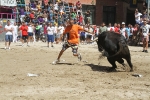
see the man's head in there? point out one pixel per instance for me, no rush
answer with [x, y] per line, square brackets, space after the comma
[8, 22]
[144, 21]
[23, 23]
[71, 21]
[15, 23]
[123, 24]
[103, 24]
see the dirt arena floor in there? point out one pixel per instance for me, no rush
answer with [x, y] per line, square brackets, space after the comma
[70, 80]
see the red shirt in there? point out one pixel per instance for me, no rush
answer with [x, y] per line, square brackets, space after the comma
[24, 30]
[116, 30]
[31, 15]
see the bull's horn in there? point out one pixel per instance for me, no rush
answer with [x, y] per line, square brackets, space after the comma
[95, 39]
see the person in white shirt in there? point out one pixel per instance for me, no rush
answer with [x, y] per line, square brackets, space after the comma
[30, 32]
[50, 35]
[8, 35]
[56, 35]
[144, 29]
[60, 31]
[123, 30]
[15, 32]
[56, 6]
[109, 28]
[137, 16]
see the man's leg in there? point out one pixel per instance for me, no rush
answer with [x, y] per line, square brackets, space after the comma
[65, 46]
[75, 52]
[60, 54]
[146, 44]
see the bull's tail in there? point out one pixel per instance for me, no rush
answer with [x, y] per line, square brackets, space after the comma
[120, 49]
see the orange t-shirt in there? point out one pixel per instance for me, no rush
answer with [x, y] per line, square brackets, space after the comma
[73, 33]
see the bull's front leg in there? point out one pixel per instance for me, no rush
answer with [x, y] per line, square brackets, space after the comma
[112, 62]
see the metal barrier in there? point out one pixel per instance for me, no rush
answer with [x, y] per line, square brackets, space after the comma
[7, 14]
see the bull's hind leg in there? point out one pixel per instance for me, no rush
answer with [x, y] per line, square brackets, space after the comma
[112, 62]
[121, 61]
[130, 64]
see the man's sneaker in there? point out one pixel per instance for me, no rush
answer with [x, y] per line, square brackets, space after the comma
[79, 57]
[143, 51]
[5, 48]
[146, 51]
[9, 48]
[56, 62]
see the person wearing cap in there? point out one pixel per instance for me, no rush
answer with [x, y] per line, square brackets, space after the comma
[123, 30]
[71, 40]
[144, 29]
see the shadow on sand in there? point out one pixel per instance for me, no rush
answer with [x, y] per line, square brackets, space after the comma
[102, 68]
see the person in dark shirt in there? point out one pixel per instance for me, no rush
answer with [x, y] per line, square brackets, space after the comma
[27, 18]
[88, 19]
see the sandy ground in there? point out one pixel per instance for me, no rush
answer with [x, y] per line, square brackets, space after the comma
[70, 80]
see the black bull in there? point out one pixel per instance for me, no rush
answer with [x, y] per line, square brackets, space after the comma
[115, 47]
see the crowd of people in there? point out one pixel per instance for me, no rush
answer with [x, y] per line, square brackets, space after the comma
[52, 23]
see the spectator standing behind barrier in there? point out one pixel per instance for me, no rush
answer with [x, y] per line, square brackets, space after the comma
[56, 36]
[109, 28]
[15, 32]
[27, 19]
[135, 31]
[50, 35]
[24, 29]
[123, 30]
[87, 15]
[45, 16]
[80, 19]
[78, 5]
[128, 30]
[45, 31]
[8, 35]
[102, 28]
[37, 32]
[115, 28]
[32, 16]
[73, 15]
[137, 16]
[22, 14]
[60, 32]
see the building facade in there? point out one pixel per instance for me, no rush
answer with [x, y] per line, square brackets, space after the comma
[111, 11]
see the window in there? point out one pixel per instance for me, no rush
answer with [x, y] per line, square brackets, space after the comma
[109, 14]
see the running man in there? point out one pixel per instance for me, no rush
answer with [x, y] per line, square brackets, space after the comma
[9, 35]
[72, 40]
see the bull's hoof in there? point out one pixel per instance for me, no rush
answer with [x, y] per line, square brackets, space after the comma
[131, 70]
[112, 69]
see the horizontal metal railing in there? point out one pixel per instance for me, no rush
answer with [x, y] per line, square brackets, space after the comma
[7, 14]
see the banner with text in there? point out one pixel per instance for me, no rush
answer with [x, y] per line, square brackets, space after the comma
[8, 3]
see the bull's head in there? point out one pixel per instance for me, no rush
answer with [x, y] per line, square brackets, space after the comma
[100, 48]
